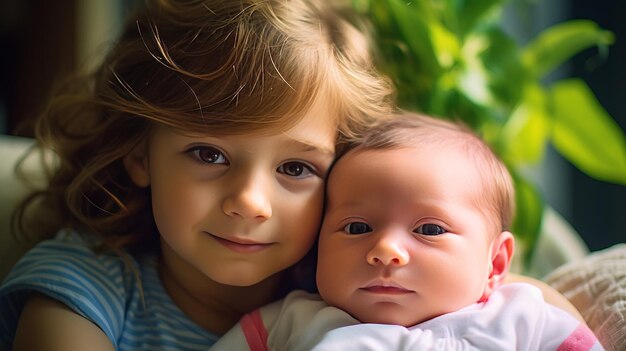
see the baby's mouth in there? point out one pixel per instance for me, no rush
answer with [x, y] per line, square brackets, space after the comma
[386, 288]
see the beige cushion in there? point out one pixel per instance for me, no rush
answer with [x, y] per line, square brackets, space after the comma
[596, 285]
[12, 190]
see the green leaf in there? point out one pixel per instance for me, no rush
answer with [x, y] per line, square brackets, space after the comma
[454, 104]
[446, 45]
[529, 213]
[585, 134]
[404, 47]
[501, 59]
[560, 42]
[523, 137]
[414, 31]
[474, 13]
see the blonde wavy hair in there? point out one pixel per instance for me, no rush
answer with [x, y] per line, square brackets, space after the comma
[215, 66]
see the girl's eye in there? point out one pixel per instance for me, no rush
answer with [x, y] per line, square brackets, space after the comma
[357, 228]
[429, 229]
[207, 154]
[296, 169]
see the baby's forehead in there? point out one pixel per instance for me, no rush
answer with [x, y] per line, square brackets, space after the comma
[444, 144]
[448, 162]
[452, 163]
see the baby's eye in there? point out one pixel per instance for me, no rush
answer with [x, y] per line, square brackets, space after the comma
[295, 169]
[429, 229]
[357, 228]
[208, 154]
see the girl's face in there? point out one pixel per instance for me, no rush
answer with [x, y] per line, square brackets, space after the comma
[237, 209]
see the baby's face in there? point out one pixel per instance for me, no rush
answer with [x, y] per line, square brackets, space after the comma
[403, 239]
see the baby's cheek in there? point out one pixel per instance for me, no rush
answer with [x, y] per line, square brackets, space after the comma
[330, 271]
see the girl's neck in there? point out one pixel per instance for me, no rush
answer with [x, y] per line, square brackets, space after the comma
[214, 306]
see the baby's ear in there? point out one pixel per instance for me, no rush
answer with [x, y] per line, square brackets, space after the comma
[136, 164]
[502, 249]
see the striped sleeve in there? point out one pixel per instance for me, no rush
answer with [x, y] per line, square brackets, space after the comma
[67, 270]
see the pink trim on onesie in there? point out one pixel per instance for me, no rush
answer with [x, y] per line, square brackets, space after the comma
[581, 339]
[254, 331]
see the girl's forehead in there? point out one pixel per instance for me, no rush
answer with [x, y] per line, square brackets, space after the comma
[311, 132]
[317, 128]
[320, 113]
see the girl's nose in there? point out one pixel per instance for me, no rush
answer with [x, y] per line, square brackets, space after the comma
[249, 199]
[388, 250]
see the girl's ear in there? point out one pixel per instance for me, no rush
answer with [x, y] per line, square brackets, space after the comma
[502, 249]
[136, 164]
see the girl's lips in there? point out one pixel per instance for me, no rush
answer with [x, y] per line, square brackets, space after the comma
[241, 245]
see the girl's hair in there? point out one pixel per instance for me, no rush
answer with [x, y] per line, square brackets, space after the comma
[216, 67]
[496, 193]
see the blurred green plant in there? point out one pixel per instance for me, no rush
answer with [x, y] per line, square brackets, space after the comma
[453, 59]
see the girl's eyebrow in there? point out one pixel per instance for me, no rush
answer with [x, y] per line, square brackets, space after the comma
[308, 146]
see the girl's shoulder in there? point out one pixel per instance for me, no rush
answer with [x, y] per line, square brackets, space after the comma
[73, 262]
[69, 269]
[122, 295]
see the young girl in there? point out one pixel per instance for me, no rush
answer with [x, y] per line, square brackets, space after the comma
[190, 174]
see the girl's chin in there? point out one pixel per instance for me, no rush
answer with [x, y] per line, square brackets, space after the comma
[244, 279]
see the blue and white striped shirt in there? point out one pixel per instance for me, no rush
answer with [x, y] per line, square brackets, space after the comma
[104, 289]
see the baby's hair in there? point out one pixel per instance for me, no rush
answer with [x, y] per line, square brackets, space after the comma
[496, 194]
[216, 67]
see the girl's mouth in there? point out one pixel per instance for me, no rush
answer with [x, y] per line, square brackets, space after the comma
[241, 245]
